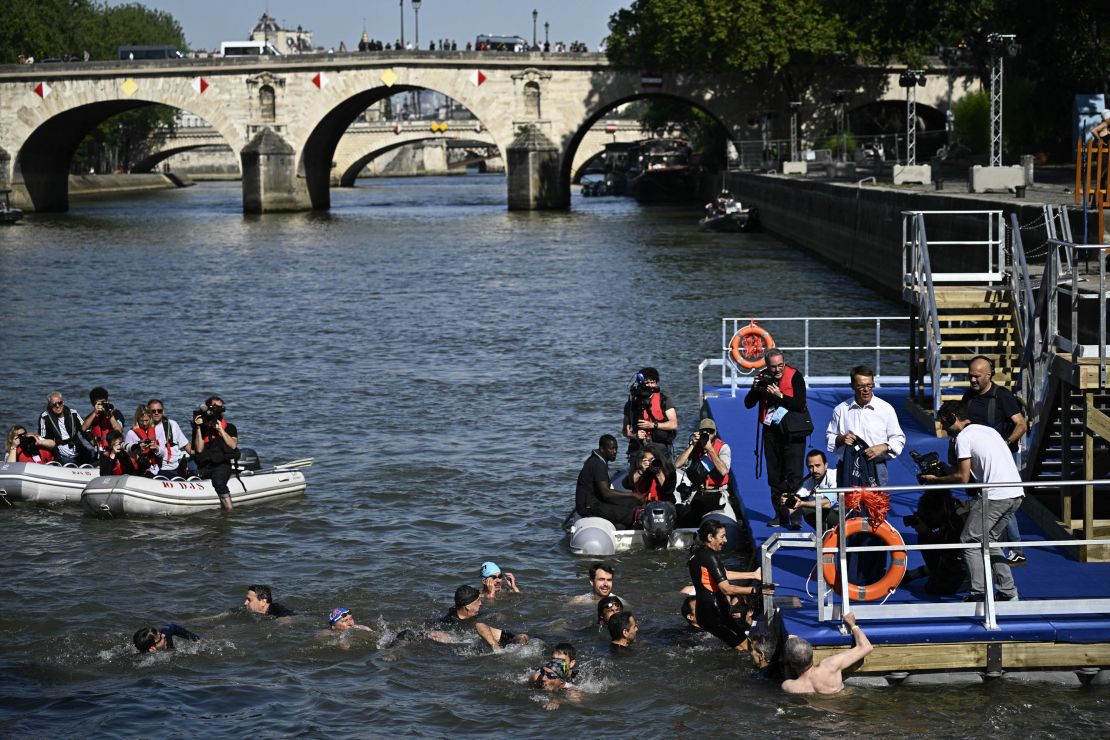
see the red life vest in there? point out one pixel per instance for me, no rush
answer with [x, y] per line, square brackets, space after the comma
[655, 411]
[117, 469]
[42, 457]
[100, 433]
[715, 479]
[209, 437]
[648, 486]
[786, 385]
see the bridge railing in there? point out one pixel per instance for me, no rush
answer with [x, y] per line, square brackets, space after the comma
[830, 609]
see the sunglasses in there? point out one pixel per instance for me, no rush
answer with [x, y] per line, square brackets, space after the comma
[156, 411]
[57, 403]
[550, 675]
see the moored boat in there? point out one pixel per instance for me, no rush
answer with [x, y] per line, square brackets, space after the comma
[740, 220]
[39, 483]
[8, 213]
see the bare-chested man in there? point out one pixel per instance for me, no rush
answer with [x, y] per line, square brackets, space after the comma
[826, 677]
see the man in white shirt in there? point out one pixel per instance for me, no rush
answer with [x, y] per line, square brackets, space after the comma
[982, 454]
[866, 419]
[175, 444]
[812, 494]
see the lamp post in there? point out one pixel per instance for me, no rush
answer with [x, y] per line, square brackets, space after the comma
[535, 16]
[794, 105]
[416, 14]
[911, 79]
[840, 99]
[402, 3]
[1002, 45]
[546, 39]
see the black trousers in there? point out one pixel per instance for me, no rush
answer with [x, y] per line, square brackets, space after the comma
[621, 515]
[219, 475]
[785, 457]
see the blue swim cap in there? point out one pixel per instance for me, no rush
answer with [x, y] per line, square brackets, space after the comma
[337, 614]
[489, 568]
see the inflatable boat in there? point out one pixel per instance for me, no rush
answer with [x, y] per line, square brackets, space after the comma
[139, 496]
[44, 484]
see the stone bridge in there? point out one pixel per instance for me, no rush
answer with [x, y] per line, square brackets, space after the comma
[285, 116]
[365, 141]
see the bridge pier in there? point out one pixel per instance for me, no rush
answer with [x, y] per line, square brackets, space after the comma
[270, 182]
[533, 168]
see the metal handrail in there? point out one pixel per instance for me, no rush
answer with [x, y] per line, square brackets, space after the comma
[994, 243]
[990, 607]
[734, 378]
[920, 280]
[1070, 253]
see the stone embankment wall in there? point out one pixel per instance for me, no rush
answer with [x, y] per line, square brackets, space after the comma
[859, 229]
[96, 184]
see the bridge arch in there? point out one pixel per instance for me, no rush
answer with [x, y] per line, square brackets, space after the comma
[53, 131]
[323, 135]
[348, 171]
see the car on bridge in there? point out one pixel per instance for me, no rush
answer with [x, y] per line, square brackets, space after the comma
[163, 51]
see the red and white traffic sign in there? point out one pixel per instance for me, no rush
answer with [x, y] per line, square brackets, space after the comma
[200, 85]
[320, 80]
[43, 90]
[477, 77]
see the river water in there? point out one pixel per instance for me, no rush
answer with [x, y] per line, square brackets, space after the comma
[449, 365]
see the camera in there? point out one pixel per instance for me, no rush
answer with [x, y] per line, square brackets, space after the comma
[27, 444]
[763, 380]
[656, 464]
[912, 520]
[107, 407]
[642, 391]
[928, 464]
[790, 500]
[208, 416]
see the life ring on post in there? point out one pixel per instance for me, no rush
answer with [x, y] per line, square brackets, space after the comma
[747, 346]
[881, 588]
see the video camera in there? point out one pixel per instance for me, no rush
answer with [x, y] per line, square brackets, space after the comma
[928, 464]
[28, 445]
[209, 416]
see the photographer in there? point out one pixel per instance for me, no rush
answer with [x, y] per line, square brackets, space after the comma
[116, 460]
[981, 452]
[652, 477]
[809, 495]
[216, 442]
[706, 461]
[142, 441]
[103, 419]
[939, 519]
[23, 447]
[649, 415]
[780, 392]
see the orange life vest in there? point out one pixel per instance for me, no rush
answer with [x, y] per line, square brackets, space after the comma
[786, 385]
[41, 456]
[715, 479]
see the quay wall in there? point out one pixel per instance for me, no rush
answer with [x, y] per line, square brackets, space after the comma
[859, 229]
[97, 184]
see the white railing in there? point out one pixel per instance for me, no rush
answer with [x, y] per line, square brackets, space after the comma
[991, 247]
[734, 377]
[1067, 284]
[918, 280]
[989, 609]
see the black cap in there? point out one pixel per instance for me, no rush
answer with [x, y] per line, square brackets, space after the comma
[465, 595]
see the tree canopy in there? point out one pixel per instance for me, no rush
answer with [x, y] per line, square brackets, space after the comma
[57, 28]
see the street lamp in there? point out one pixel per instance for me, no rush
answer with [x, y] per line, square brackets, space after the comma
[840, 99]
[795, 106]
[402, 3]
[546, 40]
[416, 13]
[535, 15]
[911, 79]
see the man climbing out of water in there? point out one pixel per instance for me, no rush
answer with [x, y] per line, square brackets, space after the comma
[260, 601]
[151, 640]
[649, 415]
[826, 677]
[492, 581]
[468, 602]
[594, 494]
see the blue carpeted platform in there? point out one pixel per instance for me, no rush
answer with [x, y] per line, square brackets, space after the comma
[1049, 573]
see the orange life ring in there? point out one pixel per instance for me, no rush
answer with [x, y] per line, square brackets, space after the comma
[893, 576]
[747, 346]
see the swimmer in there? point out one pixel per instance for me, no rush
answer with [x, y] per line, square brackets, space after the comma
[826, 677]
[151, 640]
[259, 600]
[622, 632]
[565, 655]
[601, 583]
[341, 620]
[606, 608]
[468, 602]
[557, 674]
[492, 581]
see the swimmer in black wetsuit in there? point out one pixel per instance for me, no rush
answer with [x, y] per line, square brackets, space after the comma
[151, 640]
[468, 602]
[712, 585]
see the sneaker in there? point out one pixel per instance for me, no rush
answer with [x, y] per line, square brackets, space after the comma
[1015, 558]
[973, 597]
[774, 523]
[1005, 597]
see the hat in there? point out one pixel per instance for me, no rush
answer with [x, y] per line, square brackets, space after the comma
[337, 614]
[465, 595]
[707, 423]
[489, 568]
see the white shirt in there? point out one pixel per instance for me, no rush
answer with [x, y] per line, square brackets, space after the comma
[808, 487]
[876, 423]
[174, 453]
[991, 460]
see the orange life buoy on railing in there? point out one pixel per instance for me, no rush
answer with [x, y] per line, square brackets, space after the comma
[890, 580]
[747, 346]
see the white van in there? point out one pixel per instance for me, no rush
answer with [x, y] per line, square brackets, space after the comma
[248, 49]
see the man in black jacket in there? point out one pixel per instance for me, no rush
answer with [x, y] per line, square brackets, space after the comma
[216, 442]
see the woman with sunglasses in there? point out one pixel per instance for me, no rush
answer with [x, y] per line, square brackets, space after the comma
[23, 447]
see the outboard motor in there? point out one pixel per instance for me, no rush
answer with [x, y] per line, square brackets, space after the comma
[248, 460]
[658, 521]
[593, 535]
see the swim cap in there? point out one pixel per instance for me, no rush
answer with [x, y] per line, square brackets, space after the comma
[556, 666]
[465, 595]
[489, 568]
[337, 614]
